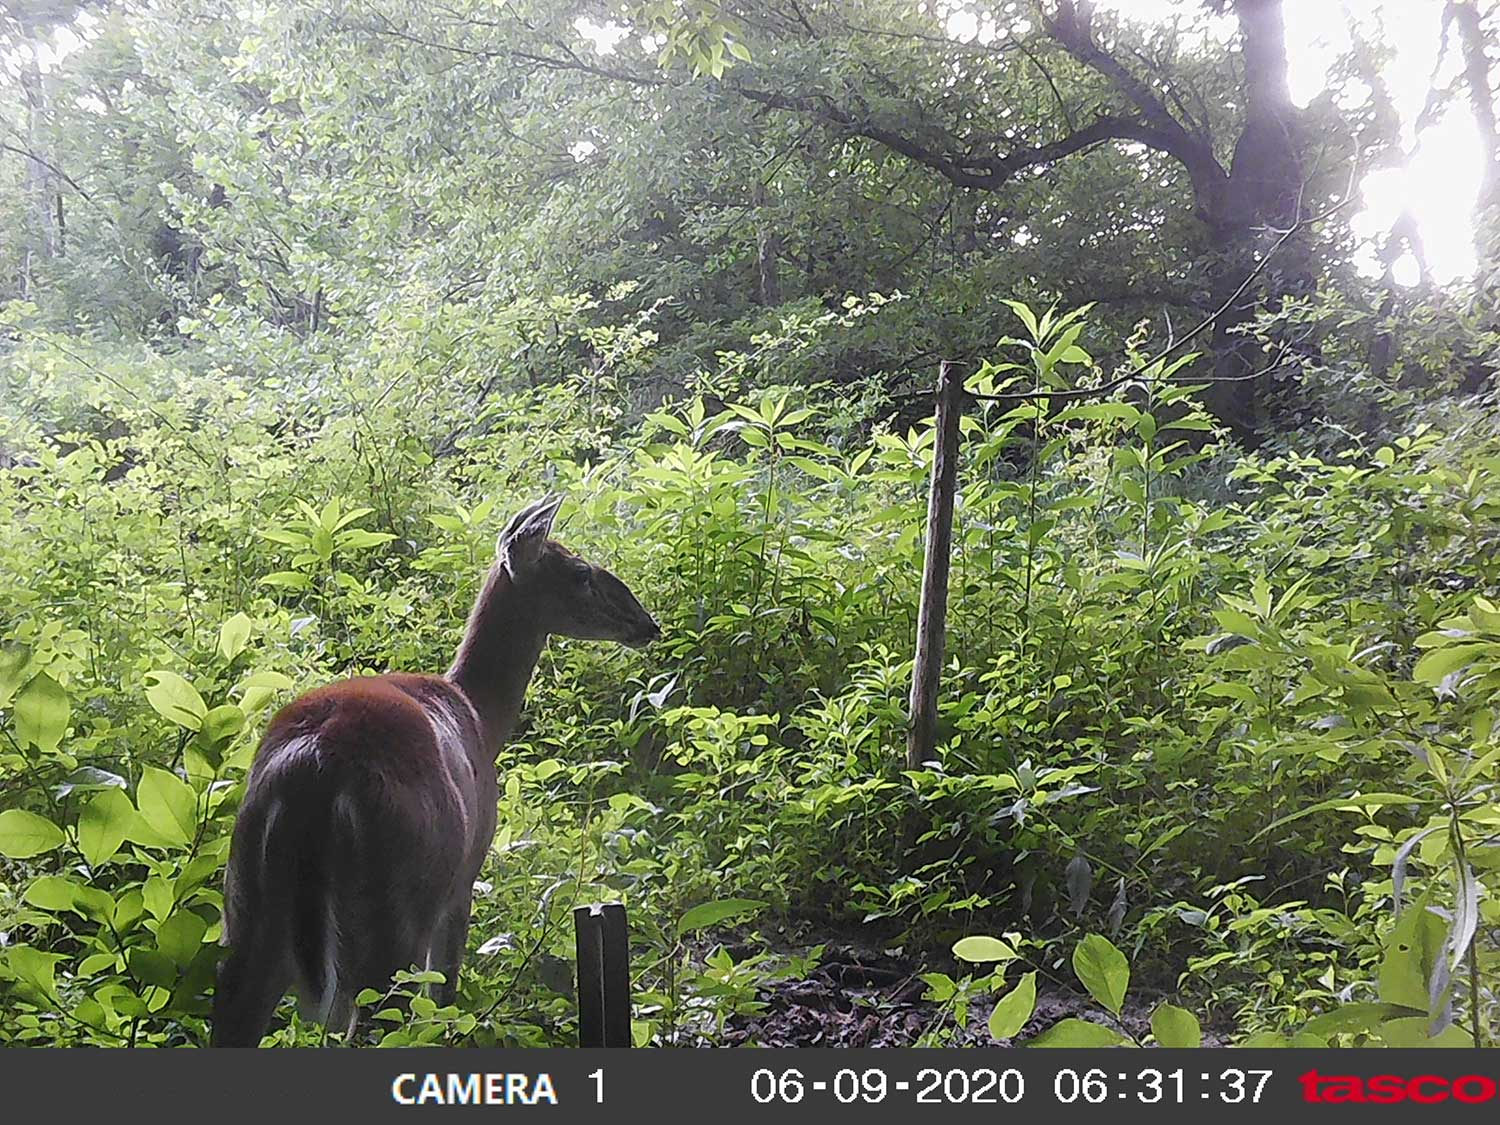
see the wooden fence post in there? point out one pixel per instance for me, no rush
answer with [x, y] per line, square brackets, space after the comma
[603, 975]
[932, 613]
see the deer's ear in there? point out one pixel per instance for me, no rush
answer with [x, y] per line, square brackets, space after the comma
[521, 541]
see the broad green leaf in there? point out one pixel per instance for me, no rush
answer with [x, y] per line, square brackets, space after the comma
[982, 949]
[259, 688]
[15, 668]
[1100, 411]
[221, 724]
[51, 892]
[41, 712]
[1175, 1027]
[1442, 662]
[24, 834]
[1103, 970]
[1412, 952]
[1412, 1031]
[34, 968]
[1362, 1016]
[153, 967]
[358, 539]
[168, 805]
[103, 825]
[1077, 1033]
[287, 580]
[174, 698]
[234, 634]
[157, 897]
[1014, 1009]
[1028, 317]
[181, 936]
[712, 913]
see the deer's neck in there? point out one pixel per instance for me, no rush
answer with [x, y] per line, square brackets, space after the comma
[497, 657]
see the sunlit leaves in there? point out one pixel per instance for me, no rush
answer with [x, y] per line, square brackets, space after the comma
[1077, 1033]
[167, 805]
[103, 825]
[25, 834]
[709, 914]
[1103, 970]
[1013, 1009]
[42, 711]
[1175, 1027]
[174, 698]
[233, 636]
[982, 949]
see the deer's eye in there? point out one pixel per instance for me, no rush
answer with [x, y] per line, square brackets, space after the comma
[581, 576]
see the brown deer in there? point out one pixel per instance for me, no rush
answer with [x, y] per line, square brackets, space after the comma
[371, 803]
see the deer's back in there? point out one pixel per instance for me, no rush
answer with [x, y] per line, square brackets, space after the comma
[399, 753]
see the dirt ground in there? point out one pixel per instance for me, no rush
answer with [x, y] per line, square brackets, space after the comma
[861, 996]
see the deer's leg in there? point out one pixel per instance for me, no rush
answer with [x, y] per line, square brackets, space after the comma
[252, 980]
[448, 950]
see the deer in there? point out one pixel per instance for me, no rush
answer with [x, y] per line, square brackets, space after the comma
[371, 803]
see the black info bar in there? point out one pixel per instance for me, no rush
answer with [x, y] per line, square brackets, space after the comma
[596, 1085]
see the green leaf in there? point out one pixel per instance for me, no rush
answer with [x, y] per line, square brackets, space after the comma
[168, 805]
[1362, 1016]
[260, 688]
[24, 834]
[1028, 317]
[233, 636]
[287, 580]
[41, 713]
[174, 698]
[285, 537]
[357, 539]
[157, 897]
[152, 967]
[712, 913]
[103, 825]
[1442, 662]
[34, 968]
[1014, 1009]
[15, 664]
[1175, 1027]
[1103, 970]
[1077, 1033]
[1411, 1031]
[1412, 952]
[181, 936]
[982, 949]
[221, 724]
[1100, 411]
[51, 892]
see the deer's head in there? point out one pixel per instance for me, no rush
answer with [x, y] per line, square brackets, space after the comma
[563, 593]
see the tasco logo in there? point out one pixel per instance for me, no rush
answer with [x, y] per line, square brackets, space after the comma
[1383, 1089]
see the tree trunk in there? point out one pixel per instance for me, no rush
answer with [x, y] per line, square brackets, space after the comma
[767, 249]
[1261, 201]
[1481, 98]
[41, 185]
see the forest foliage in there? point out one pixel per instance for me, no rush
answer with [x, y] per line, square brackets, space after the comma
[303, 302]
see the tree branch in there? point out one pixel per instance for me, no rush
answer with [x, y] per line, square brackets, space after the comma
[1072, 27]
[51, 167]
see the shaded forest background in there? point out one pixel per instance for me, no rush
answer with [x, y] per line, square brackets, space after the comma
[298, 302]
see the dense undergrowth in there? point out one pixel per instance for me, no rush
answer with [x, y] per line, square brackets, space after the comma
[1227, 718]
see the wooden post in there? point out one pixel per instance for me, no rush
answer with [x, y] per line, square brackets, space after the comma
[932, 613]
[603, 975]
